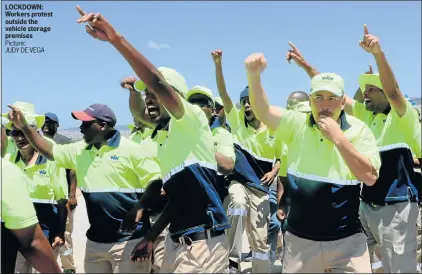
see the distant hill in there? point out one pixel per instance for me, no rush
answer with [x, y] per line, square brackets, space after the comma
[74, 134]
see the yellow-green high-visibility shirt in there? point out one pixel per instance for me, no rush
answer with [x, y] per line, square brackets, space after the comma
[189, 170]
[17, 209]
[260, 144]
[397, 139]
[223, 142]
[319, 180]
[11, 150]
[138, 136]
[112, 179]
[47, 184]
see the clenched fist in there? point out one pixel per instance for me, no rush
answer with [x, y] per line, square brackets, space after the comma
[255, 64]
[128, 82]
[217, 55]
[370, 43]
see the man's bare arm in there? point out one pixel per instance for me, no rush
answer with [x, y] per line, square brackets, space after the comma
[370, 43]
[98, 27]
[217, 56]
[136, 102]
[268, 114]
[225, 164]
[37, 251]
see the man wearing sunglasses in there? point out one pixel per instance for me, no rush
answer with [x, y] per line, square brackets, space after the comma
[20, 230]
[47, 185]
[112, 173]
[258, 143]
[223, 140]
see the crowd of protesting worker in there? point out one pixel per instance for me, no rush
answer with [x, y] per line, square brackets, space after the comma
[326, 184]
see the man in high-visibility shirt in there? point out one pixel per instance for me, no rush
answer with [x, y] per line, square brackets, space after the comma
[323, 185]
[20, 230]
[396, 195]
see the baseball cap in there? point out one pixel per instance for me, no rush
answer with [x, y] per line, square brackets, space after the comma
[96, 111]
[244, 93]
[172, 77]
[371, 79]
[328, 82]
[200, 90]
[218, 100]
[28, 111]
[52, 116]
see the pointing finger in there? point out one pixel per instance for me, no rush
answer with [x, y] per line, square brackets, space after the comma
[365, 29]
[294, 47]
[80, 11]
[11, 107]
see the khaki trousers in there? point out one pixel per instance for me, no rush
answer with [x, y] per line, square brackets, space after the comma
[347, 255]
[113, 258]
[249, 209]
[66, 251]
[204, 256]
[393, 228]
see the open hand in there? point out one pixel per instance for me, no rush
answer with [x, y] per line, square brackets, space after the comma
[142, 251]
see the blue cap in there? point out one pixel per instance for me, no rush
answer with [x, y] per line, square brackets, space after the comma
[52, 116]
[244, 93]
[96, 111]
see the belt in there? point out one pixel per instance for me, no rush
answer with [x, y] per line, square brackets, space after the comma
[197, 236]
[376, 205]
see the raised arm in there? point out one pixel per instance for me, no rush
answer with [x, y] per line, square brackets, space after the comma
[43, 146]
[217, 56]
[270, 115]
[370, 44]
[101, 29]
[300, 61]
[136, 102]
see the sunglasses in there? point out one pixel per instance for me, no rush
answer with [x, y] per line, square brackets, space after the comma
[201, 102]
[218, 108]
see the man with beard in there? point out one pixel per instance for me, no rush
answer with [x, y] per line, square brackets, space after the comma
[395, 197]
[46, 184]
[49, 130]
[257, 142]
[323, 187]
[112, 173]
[20, 230]
[194, 212]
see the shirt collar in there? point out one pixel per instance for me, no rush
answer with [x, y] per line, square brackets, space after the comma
[114, 141]
[160, 127]
[344, 124]
[40, 159]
